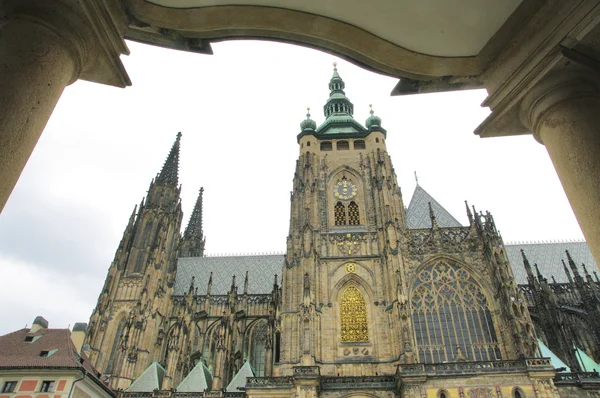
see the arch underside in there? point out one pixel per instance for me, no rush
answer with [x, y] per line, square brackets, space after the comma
[444, 44]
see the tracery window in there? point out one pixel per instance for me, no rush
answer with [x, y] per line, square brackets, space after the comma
[353, 313]
[340, 214]
[258, 350]
[451, 317]
[353, 217]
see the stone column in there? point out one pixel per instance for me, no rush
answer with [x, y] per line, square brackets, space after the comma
[36, 64]
[563, 113]
[45, 46]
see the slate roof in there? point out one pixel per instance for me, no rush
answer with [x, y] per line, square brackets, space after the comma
[417, 214]
[547, 256]
[150, 380]
[261, 271]
[239, 381]
[198, 380]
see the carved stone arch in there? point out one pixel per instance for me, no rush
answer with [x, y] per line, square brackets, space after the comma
[209, 344]
[517, 392]
[349, 279]
[119, 322]
[453, 315]
[360, 394]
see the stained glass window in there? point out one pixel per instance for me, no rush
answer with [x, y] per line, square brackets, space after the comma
[353, 217]
[258, 348]
[353, 312]
[340, 214]
[451, 317]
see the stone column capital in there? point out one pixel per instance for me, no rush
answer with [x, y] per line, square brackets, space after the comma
[92, 31]
[552, 90]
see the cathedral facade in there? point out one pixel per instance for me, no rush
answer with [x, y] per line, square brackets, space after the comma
[360, 305]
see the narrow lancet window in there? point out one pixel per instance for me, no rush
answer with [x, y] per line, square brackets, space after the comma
[353, 313]
[353, 216]
[340, 214]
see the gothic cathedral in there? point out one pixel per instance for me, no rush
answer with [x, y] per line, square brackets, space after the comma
[361, 305]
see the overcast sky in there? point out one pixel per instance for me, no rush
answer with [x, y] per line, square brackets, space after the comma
[239, 111]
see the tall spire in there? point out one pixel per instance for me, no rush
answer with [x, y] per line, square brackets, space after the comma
[193, 241]
[194, 227]
[169, 173]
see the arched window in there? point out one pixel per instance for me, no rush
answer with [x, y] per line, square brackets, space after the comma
[353, 313]
[451, 316]
[443, 394]
[258, 350]
[308, 143]
[326, 146]
[359, 144]
[353, 216]
[210, 346]
[339, 214]
[343, 145]
[518, 393]
[116, 347]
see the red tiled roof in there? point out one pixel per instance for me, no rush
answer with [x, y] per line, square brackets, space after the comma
[15, 352]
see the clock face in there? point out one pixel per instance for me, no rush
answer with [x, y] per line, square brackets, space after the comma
[344, 190]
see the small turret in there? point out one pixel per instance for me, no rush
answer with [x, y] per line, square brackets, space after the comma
[373, 121]
[530, 277]
[569, 277]
[308, 124]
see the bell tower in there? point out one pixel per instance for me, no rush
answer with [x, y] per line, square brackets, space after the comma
[347, 216]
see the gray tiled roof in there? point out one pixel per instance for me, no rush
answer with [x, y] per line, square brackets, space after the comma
[417, 214]
[547, 256]
[261, 270]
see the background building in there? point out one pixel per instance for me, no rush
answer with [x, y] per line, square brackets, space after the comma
[43, 363]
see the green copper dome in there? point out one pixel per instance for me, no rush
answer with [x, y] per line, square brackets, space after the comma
[308, 123]
[373, 121]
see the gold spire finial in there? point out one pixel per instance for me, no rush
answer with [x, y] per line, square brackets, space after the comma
[334, 64]
[308, 108]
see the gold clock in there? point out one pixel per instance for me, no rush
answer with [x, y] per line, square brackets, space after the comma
[344, 190]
